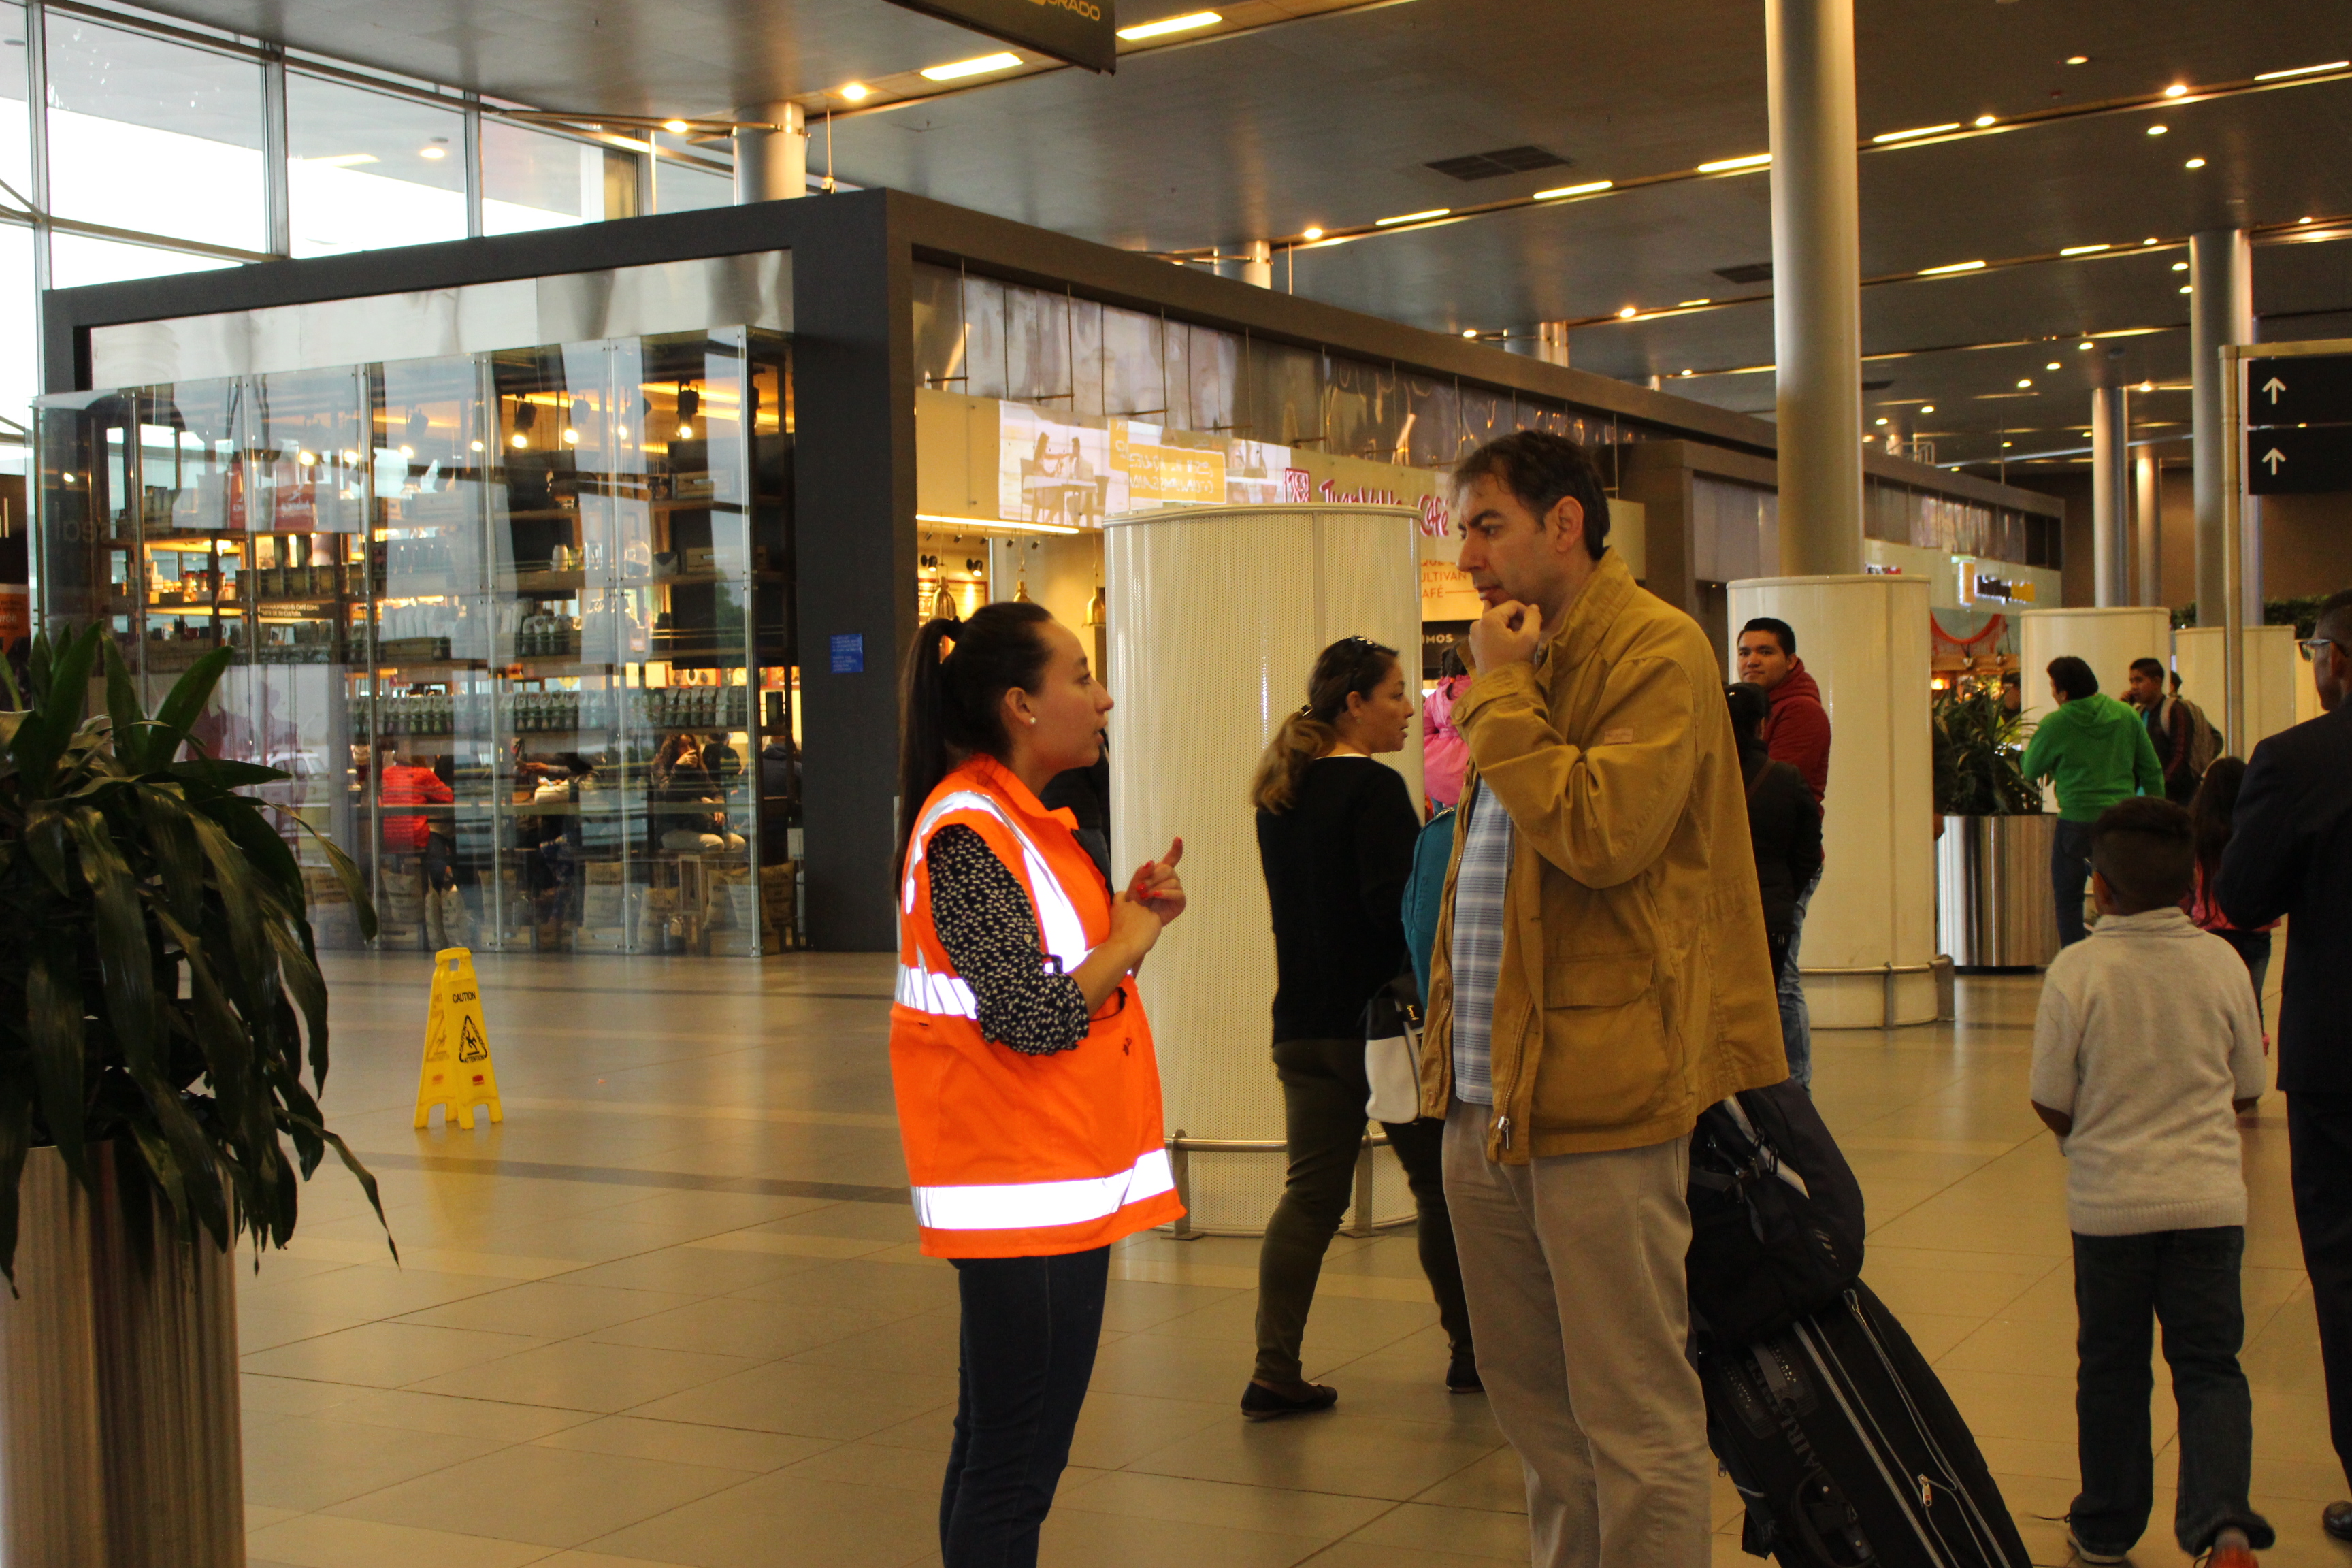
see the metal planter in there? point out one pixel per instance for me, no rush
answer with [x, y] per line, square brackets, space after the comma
[1993, 904]
[118, 1381]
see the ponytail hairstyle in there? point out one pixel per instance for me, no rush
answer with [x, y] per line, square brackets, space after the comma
[951, 706]
[1352, 666]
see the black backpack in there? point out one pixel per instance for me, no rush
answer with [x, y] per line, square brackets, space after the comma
[1776, 1215]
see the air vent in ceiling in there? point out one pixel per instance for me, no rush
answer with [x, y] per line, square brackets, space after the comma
[1502, 161]
[1748, 272]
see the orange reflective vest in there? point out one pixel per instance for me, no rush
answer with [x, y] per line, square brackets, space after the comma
[1012, 1155]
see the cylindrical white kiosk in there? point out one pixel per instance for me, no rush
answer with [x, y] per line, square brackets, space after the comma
[1869, 947]
[2277, 679]
[1215, 616]
[2107, 640]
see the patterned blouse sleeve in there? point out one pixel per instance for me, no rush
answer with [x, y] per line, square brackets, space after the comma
[988, 927]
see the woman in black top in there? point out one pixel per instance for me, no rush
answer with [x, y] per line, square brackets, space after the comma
[1334, 834]
[1784, 825]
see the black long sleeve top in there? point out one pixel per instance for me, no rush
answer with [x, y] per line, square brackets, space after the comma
[988, 927]
[1335, 865]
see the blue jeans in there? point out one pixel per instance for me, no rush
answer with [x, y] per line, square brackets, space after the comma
[1030, 1328]
[1796, 1020]
[2070, 873]
[2187, 1280]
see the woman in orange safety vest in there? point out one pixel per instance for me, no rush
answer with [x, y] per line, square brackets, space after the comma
[1028, 1096]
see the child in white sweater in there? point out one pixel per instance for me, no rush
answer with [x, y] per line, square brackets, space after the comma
[2147, 1046]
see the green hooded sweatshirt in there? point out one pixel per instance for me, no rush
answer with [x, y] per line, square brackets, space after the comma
[2097, 751]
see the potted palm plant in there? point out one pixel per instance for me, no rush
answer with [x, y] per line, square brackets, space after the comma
[162, 1000]
[1992, 850]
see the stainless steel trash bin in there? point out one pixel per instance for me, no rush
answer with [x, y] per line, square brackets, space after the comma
[1993, 903]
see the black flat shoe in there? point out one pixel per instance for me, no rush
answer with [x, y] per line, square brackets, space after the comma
[1260, 1403]
[1462, 1376]
[2337, 1519]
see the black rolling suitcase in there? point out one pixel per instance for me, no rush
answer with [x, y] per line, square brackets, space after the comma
[1848, 1451]
[1839, 1436]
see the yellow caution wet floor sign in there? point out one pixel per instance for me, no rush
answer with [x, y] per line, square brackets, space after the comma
[458, 1074]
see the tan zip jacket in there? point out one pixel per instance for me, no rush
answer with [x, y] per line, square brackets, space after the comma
[1636, 985]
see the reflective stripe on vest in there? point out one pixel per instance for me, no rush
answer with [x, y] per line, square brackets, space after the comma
[1035, 1206]
[945, 995]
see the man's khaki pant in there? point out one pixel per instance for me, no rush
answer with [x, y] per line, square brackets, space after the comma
[1573, 1266]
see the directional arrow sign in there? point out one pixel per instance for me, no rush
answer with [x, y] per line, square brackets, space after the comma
[2299, 462]
[2314, 391]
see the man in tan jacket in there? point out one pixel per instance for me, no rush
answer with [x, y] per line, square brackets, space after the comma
[1601, 976]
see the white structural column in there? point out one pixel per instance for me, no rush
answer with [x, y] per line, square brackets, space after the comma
[2106, 640]
[2276, 678]
[1215, 617]
[2220, 310]
[2148, 518]
[1870, 935]
[770, 153]
[2111, 495]
[1816, 283]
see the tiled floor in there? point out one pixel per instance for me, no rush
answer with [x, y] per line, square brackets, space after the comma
[669, 1312]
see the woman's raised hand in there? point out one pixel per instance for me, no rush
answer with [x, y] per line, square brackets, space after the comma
[1155, 886]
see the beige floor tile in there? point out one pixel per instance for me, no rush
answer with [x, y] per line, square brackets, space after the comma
[1353, 1455]
[546, 1496]
[584, 1375]
[688, 1271]
[829, 1524]
[307, 1462]
[1075, 1539]
[904, 1469]
[1359, 1554]
[386, 1355]
[1414, 1527]
[260, 1328]
[879, 1289]
[289, 1396]
[1314, 1516]
[2013, 1344]
[599, 1560]
[808, 1401]
[369, 1292]
[739, 1325]
[550, 1308]
[1168, 1367]
[1496, 1484]
[928, 1339]
[407, 1411]
[1130, 1305]
[718, 1448]
[322, 1540]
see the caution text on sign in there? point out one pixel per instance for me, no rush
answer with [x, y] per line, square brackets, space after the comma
[457, 1073]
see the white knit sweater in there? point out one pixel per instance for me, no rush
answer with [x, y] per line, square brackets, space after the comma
[2147, 1033]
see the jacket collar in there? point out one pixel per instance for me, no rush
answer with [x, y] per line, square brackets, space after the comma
[1001, 782]
[2166, 922]
[1795, 684]
[1606, 592]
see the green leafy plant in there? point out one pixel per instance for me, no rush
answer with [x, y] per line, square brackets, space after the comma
[1977, 746]
[159, 983]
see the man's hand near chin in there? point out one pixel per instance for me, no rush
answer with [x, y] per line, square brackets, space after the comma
[1509, 633]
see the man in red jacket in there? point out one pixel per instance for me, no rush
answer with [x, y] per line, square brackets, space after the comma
[1797, 731]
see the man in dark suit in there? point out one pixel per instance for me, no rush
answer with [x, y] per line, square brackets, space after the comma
[2291, 854]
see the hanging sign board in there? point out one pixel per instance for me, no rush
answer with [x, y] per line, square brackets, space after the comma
[2314, 389]
[1081, 32]
[2298, 462]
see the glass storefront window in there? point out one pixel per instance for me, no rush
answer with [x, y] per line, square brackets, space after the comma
[681, 188]
[516, 624]
[20, 363]
[77, 259]
[368, 169]
[16, 125]
[156, 136]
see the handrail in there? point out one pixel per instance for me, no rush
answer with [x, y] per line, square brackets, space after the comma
[1181, 1147]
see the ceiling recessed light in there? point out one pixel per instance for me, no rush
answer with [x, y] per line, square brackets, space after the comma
[2301, 71]
[1983, 120]
[857, 92]
[435, 152]
[2006, 445]
[1312, 233]
[675, 127]
[2184, 288]
[570, 438]
[1167, 25]
[1723, 165]
[2303, 220]
[1687, 371]
[2078, 60]
[1688, 304]
[2051, 365]
[1469, 331]
[2194, 163]
[1926, 408]
[2023, 382]
[2148, 387]
[1410, 217]
[2158, 129]
[1628, 314]
[2150, 241]
[2180, 267]
[2084, 249]
[520, 442]
[1880, 420]
[1917, 131]
[2176, 91]
[956, 70]
[1586, 189]
[475, 446]
[1951, 266]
